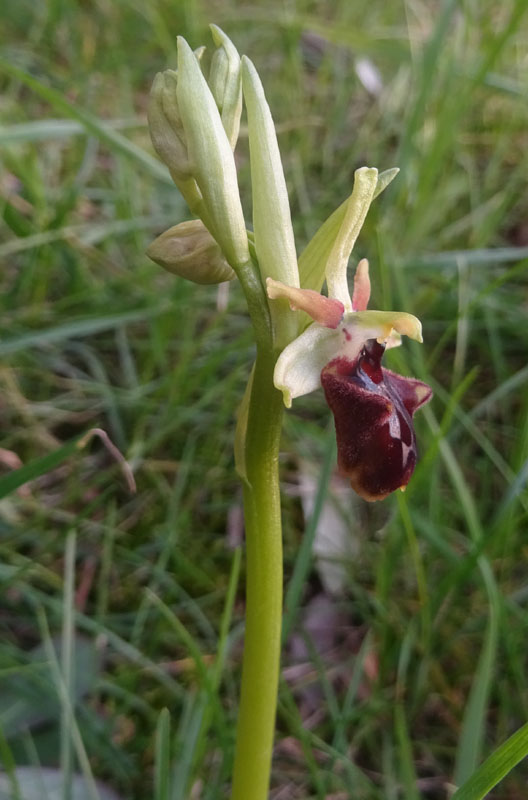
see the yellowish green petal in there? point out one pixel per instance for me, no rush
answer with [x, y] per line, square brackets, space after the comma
[387, 321]
[314, 257]
[365, 181]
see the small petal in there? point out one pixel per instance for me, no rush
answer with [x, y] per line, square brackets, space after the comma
[361, 294]
[326, 311]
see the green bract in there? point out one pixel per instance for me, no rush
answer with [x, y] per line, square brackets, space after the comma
[274, 241]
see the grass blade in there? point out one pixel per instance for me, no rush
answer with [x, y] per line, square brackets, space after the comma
[496, 767]
[92, 125]
[473, 725]
[80, 327]
[162, 758]
[39, 466]
[67, 665]
[92, 791]
[304, 558]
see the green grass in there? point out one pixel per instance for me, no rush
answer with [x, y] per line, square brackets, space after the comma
[426, 676]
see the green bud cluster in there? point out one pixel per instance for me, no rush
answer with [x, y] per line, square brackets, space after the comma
[194, 127]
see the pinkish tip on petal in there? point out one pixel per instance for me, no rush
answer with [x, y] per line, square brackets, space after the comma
[361, 293]
[324, 310]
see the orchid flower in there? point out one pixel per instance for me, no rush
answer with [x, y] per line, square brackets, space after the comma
[331, 340]
[342, 350]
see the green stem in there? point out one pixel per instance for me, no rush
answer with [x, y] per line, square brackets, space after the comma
[260, 670]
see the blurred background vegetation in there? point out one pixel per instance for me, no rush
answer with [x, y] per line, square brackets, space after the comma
[405, 658]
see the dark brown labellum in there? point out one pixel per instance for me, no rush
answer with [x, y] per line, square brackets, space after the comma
[373, 409]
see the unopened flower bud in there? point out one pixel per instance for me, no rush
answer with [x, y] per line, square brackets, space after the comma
[225, 83]
[189, 250]
[211, 157]
[166, 129]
